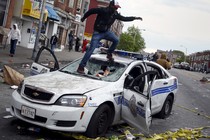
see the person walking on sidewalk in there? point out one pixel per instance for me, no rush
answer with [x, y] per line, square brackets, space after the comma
[84, 44]
[77, 44]
[53, 42]
[71, 39]
[105, 18]
[15, 37]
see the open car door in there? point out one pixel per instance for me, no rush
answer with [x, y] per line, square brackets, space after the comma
[45, 61]
[136, 106]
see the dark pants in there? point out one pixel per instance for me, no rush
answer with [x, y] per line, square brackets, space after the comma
[96, 38]
[13, 46]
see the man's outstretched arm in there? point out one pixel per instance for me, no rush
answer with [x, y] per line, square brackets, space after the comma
[123, 18]
[91, 12]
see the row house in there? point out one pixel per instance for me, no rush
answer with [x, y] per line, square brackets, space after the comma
[60, 16]
[200, 60]
[6, 13]
[26, 14]
[70, 12]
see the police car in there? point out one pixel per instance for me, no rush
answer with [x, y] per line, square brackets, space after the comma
[61, 99]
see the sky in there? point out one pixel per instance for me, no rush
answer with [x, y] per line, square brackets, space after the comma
[170, 24]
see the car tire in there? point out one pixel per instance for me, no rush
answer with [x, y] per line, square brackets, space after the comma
[166, 109]
[99, 122]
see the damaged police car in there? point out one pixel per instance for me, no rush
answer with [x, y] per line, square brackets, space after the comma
[126, 90]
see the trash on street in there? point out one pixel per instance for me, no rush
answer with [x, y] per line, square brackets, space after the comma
[11, 76]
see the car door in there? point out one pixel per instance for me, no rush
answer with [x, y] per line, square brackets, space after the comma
[45, 61]
[163, 85]
[136, 106]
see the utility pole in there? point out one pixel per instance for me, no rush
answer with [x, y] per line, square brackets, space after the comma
[36, 45]
[185, 58]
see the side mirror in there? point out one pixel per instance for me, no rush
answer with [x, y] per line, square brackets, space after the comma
[128, 81]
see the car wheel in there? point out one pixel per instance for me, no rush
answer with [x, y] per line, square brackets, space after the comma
[99, 122]
[166, 109]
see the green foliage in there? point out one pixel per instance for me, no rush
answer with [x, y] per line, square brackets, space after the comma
[131, 40]
[180, 56]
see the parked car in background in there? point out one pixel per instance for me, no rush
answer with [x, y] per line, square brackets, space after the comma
[176, 65]
[188, 67]
[183, 65]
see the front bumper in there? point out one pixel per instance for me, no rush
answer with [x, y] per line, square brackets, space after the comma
[54, 117]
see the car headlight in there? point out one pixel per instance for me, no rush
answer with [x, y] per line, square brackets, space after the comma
[72, 100]
[20, 87]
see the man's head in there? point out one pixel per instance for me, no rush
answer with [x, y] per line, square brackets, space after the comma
[14, 26]
[114, 4]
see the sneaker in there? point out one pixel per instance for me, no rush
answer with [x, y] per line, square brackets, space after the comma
[109, 57]
[81, 70]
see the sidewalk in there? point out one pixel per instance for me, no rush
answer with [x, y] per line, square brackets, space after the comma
[23, 55]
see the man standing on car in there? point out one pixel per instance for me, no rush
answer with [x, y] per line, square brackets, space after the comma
[105, 18]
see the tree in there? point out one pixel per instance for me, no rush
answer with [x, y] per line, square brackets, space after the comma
[131, 40]
[180, 56]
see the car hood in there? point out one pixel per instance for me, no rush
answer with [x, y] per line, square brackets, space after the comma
[62, 83]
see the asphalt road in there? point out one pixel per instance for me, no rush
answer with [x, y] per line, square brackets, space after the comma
[191, 110]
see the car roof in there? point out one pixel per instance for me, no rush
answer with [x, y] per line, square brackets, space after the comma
[117, 58]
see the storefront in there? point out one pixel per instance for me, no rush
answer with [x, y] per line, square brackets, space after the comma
[28, 20]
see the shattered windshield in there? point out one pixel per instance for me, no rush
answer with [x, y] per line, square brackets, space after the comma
[97, 69]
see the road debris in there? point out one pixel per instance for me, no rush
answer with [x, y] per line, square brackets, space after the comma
[11, 76]
[182, 133]
[14, 87]
[7, 109]
[33, 129]
[128, 135]
[205, 79]
[7, 116]
[25, 66]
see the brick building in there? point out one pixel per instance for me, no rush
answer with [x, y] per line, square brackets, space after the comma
[61, 18]
[199, 60]
[6, 13]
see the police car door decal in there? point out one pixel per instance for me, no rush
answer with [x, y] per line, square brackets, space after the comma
[136, 106]
[136, 110]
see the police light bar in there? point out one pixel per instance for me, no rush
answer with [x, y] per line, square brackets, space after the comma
[133, 55]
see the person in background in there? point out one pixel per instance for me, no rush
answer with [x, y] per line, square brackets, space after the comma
[15, 37]
[84, 44]
[106, 16]
[71, 39]
[163, 61]
[155, 57]
[77, 44]
[53, 42]
[169, 62]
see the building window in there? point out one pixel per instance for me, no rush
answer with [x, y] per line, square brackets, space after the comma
[3, 10]
[85, 7]
[79, 5]
[61, 1]
[71, 3]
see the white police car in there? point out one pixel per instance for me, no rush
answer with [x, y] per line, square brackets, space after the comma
[132, 91]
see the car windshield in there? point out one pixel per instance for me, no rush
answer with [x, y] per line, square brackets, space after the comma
[97, 69]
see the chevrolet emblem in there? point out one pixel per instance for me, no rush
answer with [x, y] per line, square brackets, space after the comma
[35, 94]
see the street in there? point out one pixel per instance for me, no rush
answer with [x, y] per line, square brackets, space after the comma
[191, 110]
